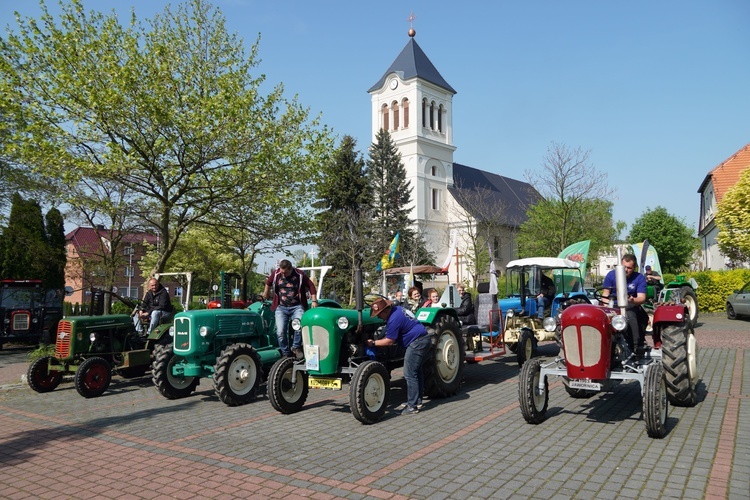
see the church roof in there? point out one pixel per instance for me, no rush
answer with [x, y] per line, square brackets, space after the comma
[492, 190]
[412, 62]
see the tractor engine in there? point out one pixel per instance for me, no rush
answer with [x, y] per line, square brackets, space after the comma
[588, 339]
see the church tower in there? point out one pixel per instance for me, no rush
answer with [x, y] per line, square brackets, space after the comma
[414, 103]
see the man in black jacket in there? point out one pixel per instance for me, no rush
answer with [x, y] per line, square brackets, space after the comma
[156, 305]
[466, 310]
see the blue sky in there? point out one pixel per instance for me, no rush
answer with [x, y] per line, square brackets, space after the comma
[658, 91]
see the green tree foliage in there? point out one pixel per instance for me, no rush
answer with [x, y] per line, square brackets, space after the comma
[24, 242]
[57, 256]
[672, 238]
[343, 222]
[391, 196]
[574, 207]
[733, 220]
[171, 111]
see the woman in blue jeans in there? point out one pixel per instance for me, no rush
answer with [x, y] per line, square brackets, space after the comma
[411, 334]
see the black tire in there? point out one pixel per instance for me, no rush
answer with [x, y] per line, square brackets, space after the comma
[691, 301]
[40, 378]
[168, 385]
[655, 406]
[287, 397]
[533, 403]
[578, 393]
[237, 374]
[369, 391]
[93, 377]
[512, 347]
[527, 346]
[444, 368]
[132, 371]
[730, 312]
[680, 360]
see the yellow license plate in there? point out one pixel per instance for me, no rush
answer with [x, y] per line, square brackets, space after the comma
[325, 383]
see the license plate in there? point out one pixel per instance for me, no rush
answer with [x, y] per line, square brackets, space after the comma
[583, 384]
[325, 383]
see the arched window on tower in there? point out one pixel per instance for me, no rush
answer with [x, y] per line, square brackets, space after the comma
[385, 117]
[432, 115]
[405, 107]
[440, 118]
[424, 112]
[394, 108]
[433, 170]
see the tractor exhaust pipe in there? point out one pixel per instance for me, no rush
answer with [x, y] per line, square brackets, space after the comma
[621, 283]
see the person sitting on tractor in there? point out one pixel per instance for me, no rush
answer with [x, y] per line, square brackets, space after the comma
[157, 307]
[466, 310]
[410, 334]
[545, 296]
[636, 316]
[433, 300]
[413, 299]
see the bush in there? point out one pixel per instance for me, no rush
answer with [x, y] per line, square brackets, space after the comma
[715, 286]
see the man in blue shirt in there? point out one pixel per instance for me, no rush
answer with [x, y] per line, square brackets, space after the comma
[410, 334]
[637, 317]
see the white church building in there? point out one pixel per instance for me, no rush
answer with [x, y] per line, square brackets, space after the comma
[414, 103]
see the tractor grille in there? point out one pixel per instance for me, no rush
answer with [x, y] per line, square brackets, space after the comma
[591, 345]
[320, 337]
[21, 321]
[62, 342]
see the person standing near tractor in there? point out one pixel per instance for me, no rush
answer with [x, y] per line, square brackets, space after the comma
[410, 334]
[636, 316]
[156, 306]
[291, 287]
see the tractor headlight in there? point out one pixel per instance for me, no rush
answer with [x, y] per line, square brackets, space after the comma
[35, 320]
[171, 331]
[619, 322]
[343, 323]
[296, 324]
[510, 313]
[203, 331]
[92, 337]
[549, 323]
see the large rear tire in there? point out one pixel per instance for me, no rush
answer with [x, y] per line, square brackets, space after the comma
[680, 360]
[533, 401]
[287, 397]
[169, 385]
[691, 301]
[527, 346]
[655, 401]
[40, 378]
[237, 375]
[93, 377]
[369, 391]
[444, 370]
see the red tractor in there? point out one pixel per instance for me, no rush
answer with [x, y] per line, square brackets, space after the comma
[594, 357]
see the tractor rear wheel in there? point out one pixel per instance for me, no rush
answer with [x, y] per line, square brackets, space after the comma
[285, 396]
[93, 377]
[169, 385]
[237, 375]
[680, 360]
[655, 401]
[527, 346]
[533, 401]
[40, 378]
[369, 391]
[443, 371]
[691, 301]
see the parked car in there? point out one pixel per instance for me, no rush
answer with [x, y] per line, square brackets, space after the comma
[738, 304]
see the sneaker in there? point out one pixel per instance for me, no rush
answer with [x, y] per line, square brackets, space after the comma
[298, 352]
[420, 405]
[400, 407]
[410, 410]
[657, 345]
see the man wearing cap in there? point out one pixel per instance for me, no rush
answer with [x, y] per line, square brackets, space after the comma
[412, 335]
[652, 277]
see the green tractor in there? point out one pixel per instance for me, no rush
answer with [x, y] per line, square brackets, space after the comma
[335, 341]
[93, 348]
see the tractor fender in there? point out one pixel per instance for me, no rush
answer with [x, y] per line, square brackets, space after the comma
[669, 314]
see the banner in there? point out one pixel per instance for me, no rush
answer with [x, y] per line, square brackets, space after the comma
[390, 255]
[577, 252]
[650, 258]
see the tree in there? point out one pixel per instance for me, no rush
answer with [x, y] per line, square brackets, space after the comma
[344, 228]
[672, 238]
[24, 248]
[391, 196]
[57, 257]
[574, 206]
[733, 220]
[171, 112]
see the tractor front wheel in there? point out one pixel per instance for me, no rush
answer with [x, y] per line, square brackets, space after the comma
[527, 346]
[444, 370]
[170, 386]
[237, 375]
[691, 301]
[287, 397]
[532, 399]
[369, 391]
[655, 401]
[41, 378]
[680, 360]
[93, 377]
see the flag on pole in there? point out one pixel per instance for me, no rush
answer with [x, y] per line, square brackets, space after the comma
[410, 278]
[390, 255]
